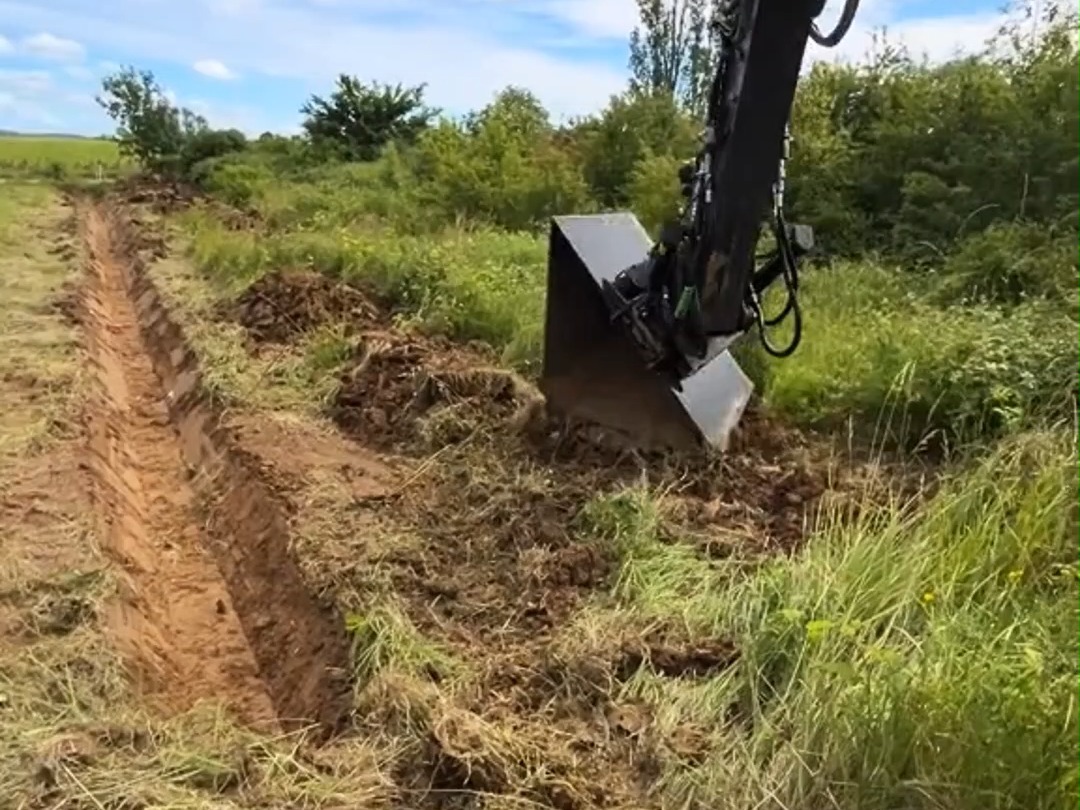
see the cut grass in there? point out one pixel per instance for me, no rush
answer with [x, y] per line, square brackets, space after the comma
[299, 381]
[37, 348]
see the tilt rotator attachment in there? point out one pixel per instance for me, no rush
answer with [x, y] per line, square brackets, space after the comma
[603, 360]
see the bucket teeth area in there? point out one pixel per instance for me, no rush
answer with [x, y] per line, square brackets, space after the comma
[594, 372]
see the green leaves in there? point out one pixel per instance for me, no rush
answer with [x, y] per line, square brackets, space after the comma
[162, 137]
[358, 120]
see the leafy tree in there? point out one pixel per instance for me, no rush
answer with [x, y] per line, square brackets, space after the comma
[631, 127]
[672, 50]
[159, 135]
[149, 127]
[504, 164]
[358, 120]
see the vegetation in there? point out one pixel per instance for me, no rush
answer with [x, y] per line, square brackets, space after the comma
[945, 293]
[58, 157]
[919, 650]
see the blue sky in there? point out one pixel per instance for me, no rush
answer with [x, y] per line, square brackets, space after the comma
[252, 63]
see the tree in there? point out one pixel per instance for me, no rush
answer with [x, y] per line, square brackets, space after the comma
[672, 50]
[149, 127]
[358, 120]
[159, 135]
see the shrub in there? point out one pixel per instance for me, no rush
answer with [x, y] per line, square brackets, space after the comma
[877, 353]
[1009, 262]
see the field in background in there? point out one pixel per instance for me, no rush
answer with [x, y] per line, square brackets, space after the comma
[59, 158]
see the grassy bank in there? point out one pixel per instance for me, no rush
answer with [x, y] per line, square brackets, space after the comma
[916, 657]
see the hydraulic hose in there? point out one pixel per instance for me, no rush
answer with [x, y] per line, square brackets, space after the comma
[841, 29]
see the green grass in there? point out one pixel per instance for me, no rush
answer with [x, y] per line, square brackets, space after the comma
[59, 158]
[917, 657]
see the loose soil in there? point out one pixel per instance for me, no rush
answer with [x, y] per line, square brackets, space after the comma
[280, 306]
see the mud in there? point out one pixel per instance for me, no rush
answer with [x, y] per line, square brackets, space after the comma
[213, 605]
[282, 305]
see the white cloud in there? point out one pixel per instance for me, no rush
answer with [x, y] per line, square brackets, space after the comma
[5, 45]
[80, 73]
[26, 82]
[613, 19]
[49, 46]
[214, 69]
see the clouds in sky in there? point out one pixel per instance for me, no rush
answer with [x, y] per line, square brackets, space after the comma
[213, 68]
[251, 63]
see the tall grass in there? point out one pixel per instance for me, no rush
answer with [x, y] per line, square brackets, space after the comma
[877, 349]
[916, 657]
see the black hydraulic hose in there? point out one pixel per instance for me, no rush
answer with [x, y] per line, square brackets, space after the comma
[841, 29]
[792, 308]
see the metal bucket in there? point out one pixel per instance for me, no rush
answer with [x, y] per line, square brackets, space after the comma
[593, 371]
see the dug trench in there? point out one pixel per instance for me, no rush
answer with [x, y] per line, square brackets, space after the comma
[213, 605]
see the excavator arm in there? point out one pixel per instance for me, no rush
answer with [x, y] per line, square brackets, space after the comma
[698, 288]
[701, 286]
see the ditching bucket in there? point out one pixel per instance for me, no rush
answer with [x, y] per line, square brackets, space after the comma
[593, 371]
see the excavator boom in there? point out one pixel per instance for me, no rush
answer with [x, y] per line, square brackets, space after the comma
[638, 330]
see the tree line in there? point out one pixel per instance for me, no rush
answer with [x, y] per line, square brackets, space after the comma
[969, 165]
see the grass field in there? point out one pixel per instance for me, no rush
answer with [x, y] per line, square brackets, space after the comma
[58, 158]
[214, 450]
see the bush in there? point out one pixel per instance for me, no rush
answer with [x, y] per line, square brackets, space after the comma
[503, 166]
[1010, 262]
[877, 353]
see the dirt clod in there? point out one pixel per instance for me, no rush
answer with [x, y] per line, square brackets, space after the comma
[696, 659]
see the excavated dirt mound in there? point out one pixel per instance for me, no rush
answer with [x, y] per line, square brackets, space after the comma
[405, 391]
[282, 305]
[423, 395]
[499, 487]
[155, 193]
[212, 603]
